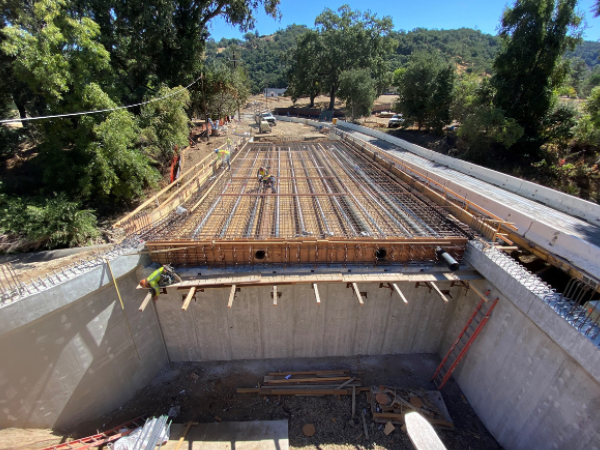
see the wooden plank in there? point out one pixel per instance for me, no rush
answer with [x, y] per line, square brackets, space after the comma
[437, 290]
[231, 296]
[478, 292]
[397, 289]
[345, 383]
[146, 301]
[304, 380]
[357, 293]
[389, 416]
[317, 296]
[304, 392]
[247, 390]
[244, 279]
[183, 436]
[274, 295]
[188, 299]
[274, 374]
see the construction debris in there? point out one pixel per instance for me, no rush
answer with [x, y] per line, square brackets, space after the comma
[306, 384]
[389, 428]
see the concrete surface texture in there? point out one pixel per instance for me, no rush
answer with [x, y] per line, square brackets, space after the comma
[299, 327]
[77, 361]
[252, 435]
[528, 391]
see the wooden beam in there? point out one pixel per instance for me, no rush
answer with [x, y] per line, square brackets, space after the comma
[478, 292]
[188, 299]
[274, 295]
[317, 296]
[357, 292]
[437, 290]
[146, 301]
[231, 296]
[397, 289]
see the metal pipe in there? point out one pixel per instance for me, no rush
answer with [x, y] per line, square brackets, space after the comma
[416, 228]
[277, 201]
[235, 206]
[295, 191]
[381, 207]
[334, 199]
[312, 190]
[356, 213]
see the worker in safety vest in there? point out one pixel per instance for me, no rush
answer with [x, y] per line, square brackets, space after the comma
[267, 179]
[162, 276]
[223, 154]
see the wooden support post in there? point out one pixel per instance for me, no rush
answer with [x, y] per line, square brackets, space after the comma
[188, 299]
[400, 293]
[231, 297]
[274, 295]
[357, 292]
[146, 301]
[437, 290]
[353, 401]
[478, 292]
[317, 296]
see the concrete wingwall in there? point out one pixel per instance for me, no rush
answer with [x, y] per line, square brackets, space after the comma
[299, 327]
[528, 391]
[78, 361]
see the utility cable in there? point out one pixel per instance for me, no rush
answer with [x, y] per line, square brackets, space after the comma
[102, 110]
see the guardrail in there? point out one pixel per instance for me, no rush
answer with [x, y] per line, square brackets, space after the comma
[558, 200]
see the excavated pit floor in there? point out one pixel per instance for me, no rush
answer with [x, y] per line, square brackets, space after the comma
[213, 395]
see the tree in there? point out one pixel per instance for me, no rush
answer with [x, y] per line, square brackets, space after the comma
[352, 40]
[426, 91]
[534, 36]
[357, 88]
[587, 129]
[305, 74]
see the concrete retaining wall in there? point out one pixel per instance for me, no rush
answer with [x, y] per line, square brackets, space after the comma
[72, 358]
[298, 327]
[529, 391]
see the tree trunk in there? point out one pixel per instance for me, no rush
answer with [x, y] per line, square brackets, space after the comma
[312, 101]
[332, 98]
[21, 108]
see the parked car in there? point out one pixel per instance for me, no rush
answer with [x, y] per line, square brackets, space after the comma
[396, 121]
[266, 116]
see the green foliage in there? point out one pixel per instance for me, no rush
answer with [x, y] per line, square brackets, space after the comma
[306, 73]
[463, 46]
[352, 40]
[488, 124]
[426, 91]
[587, 129]
[50, 223]
[357, 88]
[528, 68]
[165, 124]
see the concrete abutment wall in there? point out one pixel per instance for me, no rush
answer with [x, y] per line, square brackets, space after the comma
[530, 376]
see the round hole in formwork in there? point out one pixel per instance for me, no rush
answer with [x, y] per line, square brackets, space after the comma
[381, 253]
[260, 254]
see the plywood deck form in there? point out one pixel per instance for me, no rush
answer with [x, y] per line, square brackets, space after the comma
[333, 205]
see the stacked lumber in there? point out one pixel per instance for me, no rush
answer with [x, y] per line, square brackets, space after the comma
[390, 404]
[317, 383]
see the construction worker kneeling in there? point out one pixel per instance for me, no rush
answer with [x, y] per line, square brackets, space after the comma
[225, 157]
[267, 180]
[161, 277]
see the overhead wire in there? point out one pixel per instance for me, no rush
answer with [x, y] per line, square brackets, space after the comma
[97, 111]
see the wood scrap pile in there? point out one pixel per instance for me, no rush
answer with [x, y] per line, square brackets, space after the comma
[390, 404]
[318, 383]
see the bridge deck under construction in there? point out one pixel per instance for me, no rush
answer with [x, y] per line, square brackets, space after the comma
[333, 204]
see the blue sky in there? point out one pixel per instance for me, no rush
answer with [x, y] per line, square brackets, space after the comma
[407, 15]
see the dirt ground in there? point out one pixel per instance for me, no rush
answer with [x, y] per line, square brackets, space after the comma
[212, 397]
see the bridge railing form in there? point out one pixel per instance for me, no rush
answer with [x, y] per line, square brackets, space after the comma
[161, 205]
[558, 200]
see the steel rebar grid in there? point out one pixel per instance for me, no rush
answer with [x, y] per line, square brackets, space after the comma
[323, 190]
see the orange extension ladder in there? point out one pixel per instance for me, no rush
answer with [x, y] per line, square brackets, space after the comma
[100, 439]
[466, 337]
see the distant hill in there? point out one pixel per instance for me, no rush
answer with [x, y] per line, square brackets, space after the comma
[471, 50]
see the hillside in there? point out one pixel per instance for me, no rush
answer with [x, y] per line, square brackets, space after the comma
[472, 51]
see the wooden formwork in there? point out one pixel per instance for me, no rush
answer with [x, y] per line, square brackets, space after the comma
[303, 251]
